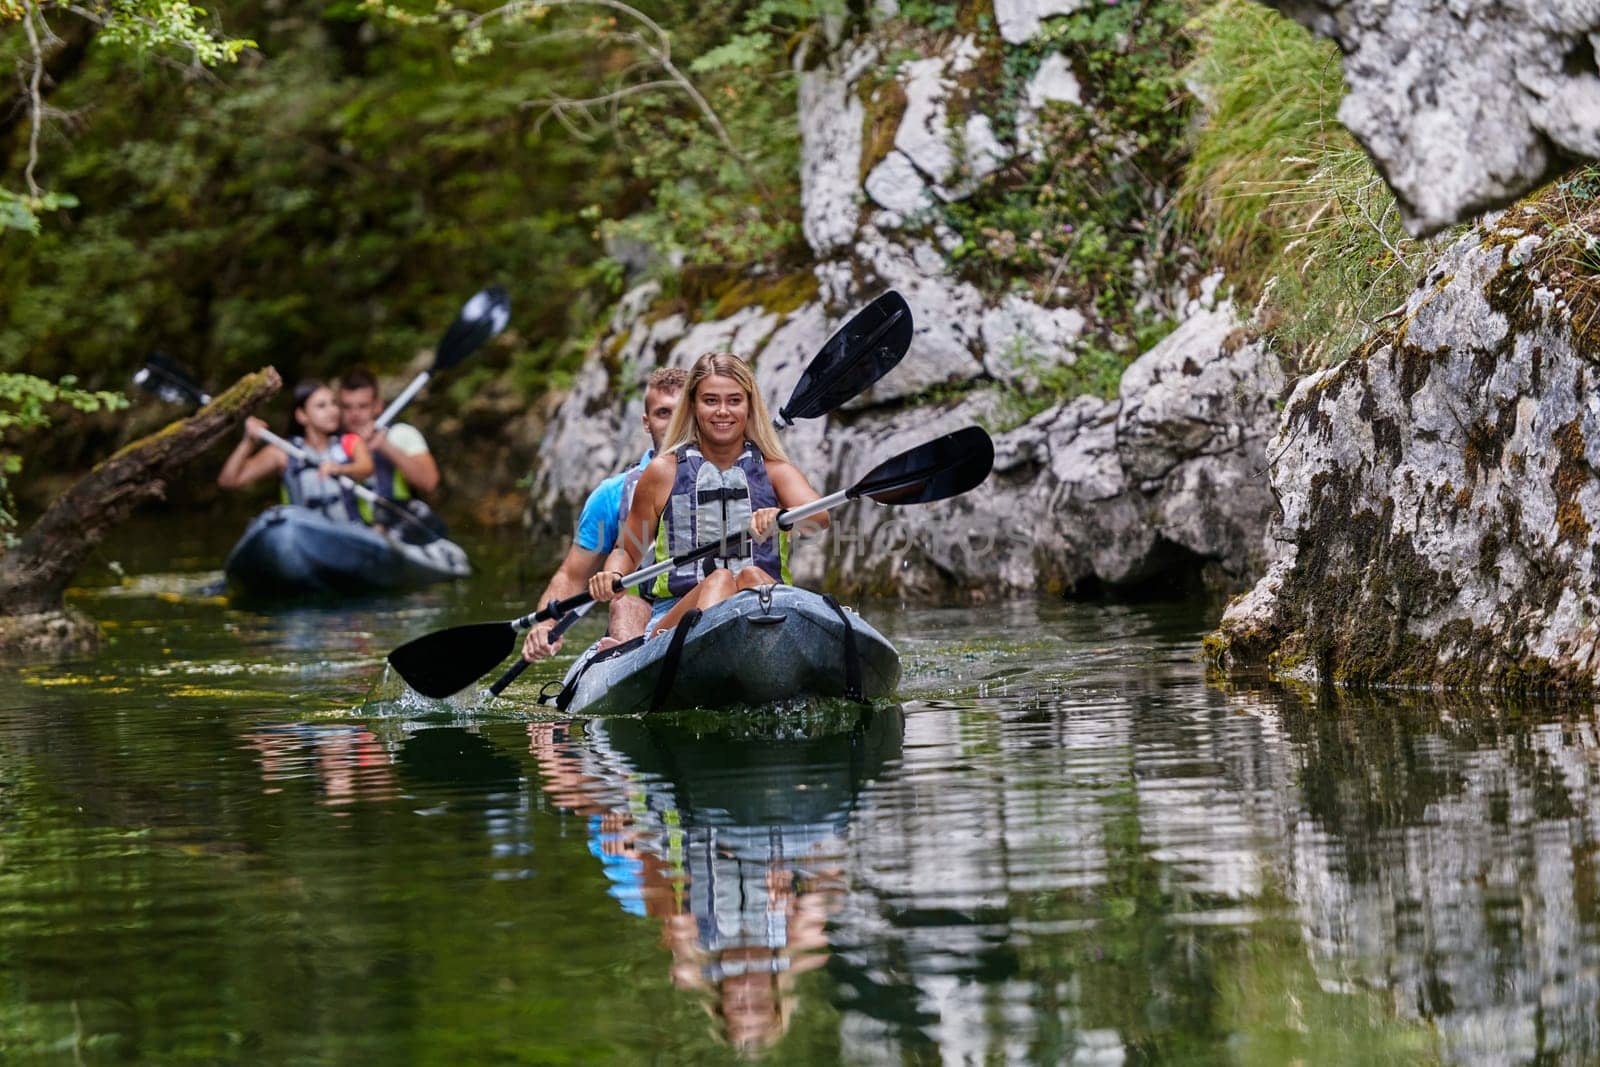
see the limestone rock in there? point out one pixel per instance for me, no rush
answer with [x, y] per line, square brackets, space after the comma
[830, 128]
[1019, 337]
[1176, 407]
[1090, 491]
[895, 184]
[1439, 498]
[1463, 104]
[1021, 20]
[1053, 83]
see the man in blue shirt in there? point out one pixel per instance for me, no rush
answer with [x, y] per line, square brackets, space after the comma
[599, 523]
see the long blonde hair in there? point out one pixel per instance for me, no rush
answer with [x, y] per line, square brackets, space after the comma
[684, 429]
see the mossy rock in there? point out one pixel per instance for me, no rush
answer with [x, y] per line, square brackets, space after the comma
[49, 635]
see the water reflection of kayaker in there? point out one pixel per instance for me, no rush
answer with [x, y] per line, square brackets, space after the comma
[314, 427]
[599, 522]
[720, 470]
[734, 844]
[350, 762]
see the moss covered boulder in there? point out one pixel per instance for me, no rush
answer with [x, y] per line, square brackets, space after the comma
[1439, 507]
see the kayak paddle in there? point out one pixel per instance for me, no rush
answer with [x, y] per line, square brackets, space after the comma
[516, 669]
[482, 317]
[858, 354]
[162, 376]
[447, 661]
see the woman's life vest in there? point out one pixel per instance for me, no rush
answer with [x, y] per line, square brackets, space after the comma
[304, 486]
[708, 506]
[647, 555]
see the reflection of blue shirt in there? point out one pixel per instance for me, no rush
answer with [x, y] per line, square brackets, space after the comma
[625, 873]
[598, 523]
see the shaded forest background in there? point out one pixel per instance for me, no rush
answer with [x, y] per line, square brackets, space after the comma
[333, 195]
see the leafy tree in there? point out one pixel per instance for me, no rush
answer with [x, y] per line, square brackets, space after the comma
[144, 27]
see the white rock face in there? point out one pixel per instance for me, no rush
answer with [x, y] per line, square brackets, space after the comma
[1076, 496]
[1021, 20]
[1089, 491]
[933, 155]
[1054, 82]
[1439, 496]
[830, 122]
[1460, 102]
[1019, 337]
[895, 184]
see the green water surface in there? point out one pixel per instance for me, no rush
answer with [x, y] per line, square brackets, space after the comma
[233, 838]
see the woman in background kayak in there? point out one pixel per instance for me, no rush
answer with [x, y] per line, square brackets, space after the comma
[720, 472]
[314, 426]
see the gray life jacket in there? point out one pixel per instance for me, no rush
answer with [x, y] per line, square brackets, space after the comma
[708, 505]
[304, 486]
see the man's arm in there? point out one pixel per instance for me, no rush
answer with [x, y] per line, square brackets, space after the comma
[571, 578]
[407, 449]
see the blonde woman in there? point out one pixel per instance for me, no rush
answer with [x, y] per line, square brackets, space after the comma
[720, 471]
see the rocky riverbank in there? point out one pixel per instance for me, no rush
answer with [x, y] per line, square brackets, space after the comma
[1438, 493]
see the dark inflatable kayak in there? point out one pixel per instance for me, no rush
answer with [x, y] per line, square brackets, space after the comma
[289, 551]
[759, 647]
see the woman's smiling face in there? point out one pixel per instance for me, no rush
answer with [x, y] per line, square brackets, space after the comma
[321, 412]
[721, 408]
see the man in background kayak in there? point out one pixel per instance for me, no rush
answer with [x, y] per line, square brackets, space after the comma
[601, 520]
[402, 465]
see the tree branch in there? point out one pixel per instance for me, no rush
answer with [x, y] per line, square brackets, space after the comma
[35, 97]
[660, 49]
[35, 573]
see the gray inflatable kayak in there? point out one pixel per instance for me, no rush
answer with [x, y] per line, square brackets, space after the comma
[290, 551]
[761, 646]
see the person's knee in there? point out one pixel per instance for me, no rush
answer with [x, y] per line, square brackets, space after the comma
[719, 583]
[754, 577]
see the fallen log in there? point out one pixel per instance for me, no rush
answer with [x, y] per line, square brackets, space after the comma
[34, 620]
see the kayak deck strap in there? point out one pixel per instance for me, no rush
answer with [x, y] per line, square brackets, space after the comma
[852, 655]
[670, 661]
[563, 699]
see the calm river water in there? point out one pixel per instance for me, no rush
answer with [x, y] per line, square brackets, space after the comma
[230, 838]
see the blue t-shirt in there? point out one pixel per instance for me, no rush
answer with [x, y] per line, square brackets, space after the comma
[598, 523]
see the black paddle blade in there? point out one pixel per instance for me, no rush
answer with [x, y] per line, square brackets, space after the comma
[445, 662]
[164, 377]
[862, 351]
[944, 467]
[483, 316]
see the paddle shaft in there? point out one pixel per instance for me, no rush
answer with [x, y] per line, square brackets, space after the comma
[516, 669]
[786, 520]
[398, 404]
[345, 482]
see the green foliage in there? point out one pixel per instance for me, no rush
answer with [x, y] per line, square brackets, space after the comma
[933, 14]
[146, 27]
[332, 202]
[712, 143]
[26, 404]
[152, 25]
[1281, 193]
[1081, 225]
[19, 212]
